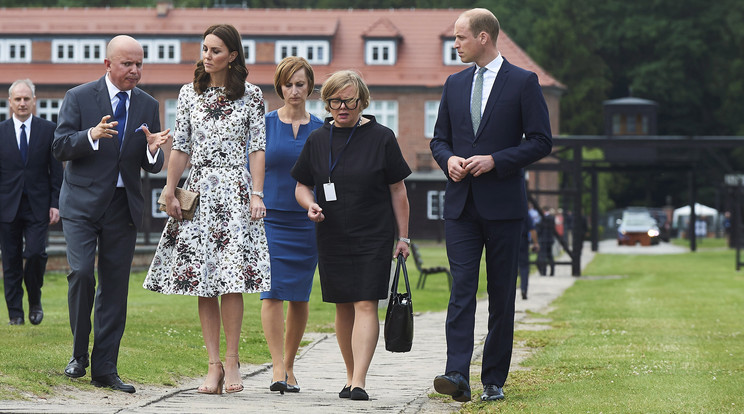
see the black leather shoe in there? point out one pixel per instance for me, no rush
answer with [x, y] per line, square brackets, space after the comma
[76, 367]
[280, 386]
[359, 394]
[524, 295]
[345, 392]
[16, 321]
[454, 384]
[112, 381]
[35, 314]
[492, 393]
[290, 387]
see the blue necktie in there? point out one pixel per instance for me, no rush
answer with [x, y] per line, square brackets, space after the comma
[120, 115]
[24, 144]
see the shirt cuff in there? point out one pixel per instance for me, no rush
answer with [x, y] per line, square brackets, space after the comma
[152, 158]
[93, 144]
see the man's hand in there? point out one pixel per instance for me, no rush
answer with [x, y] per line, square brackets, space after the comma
[155, 140]
[456, 168]
[104, 129]
[479, 164]
[53, 215]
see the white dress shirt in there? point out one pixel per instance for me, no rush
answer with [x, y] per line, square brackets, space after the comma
[489, 77]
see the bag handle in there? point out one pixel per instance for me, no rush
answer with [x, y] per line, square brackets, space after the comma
[401, 264]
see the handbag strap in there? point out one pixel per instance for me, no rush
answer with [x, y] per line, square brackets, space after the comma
[400, 265]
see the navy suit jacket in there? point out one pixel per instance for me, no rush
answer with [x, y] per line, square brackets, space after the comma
[41, 175]
[515, 108]
[90, 176]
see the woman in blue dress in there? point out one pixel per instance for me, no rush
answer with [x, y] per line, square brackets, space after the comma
[291, 235]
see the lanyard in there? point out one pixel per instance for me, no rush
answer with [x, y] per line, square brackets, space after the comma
[332, 165]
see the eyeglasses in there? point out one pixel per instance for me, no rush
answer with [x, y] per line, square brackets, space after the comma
[350, 103]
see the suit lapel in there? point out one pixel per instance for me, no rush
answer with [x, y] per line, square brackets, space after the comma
[133, 115]
[498, 86]
[103, 100]
[11, 142]
[464, 88]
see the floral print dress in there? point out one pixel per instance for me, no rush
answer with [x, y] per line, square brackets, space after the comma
[221, 250]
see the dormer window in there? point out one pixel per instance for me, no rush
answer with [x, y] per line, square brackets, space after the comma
[161, 50]
[15, 50]
[380, 52]
[317, 52]
[450, 54]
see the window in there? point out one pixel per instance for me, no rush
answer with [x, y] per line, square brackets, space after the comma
[316, 52]
[78, 50]
[161, 51]
[450, 54]
[386, 113]
[249, 50]
[317, 108]
[48, 109]
[431, 110]
[15, 51]
[3, 109]
[171, 108]
[380, 52]
[154, 208]
[435, 205]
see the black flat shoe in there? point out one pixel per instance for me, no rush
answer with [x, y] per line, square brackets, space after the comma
[112, 381]
[76, 367]
[453, 384]
[492, 393]
[35, 314]
[359, 394]
[280, 386]
[345, 392]
[16, 321]
[290, 387]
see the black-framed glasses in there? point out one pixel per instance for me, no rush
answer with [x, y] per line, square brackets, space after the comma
[350, 103]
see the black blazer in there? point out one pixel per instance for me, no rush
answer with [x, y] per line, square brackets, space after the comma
[90, 176]
[515, 108]
[41, 175]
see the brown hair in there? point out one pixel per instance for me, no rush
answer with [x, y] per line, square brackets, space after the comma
[236, 73]
[340, 80]
[482, 20]
[287, 68]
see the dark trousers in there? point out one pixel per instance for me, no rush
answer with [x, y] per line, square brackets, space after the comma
[524, 263]
[114, 235]
[545, 258]
[466, 238]
[12, 236]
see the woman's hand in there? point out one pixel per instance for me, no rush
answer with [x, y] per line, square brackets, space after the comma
[173, 206]
[258, 209]
[315, 213]
[402, 247]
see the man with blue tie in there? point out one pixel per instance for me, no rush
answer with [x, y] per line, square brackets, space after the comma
[101, 201]
[30, 178]
[485, 112]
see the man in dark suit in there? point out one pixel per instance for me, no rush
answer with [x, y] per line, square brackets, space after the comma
[485, 112]
[104, 136]
[30, 178]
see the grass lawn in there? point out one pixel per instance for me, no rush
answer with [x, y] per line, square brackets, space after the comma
[641, 334]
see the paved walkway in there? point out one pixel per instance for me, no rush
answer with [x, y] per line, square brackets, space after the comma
[396, 383]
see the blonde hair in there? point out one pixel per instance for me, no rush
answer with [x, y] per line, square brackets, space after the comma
[340, 80]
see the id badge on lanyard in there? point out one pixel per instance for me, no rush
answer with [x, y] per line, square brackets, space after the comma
[329, 189]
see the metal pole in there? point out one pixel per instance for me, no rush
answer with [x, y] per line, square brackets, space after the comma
[693, 216]
[595, 211]
[579, 214]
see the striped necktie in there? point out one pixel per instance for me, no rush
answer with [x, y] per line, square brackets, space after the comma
[475, 104]
[120, 115]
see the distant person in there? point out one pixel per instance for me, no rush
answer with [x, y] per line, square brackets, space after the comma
[485, 112]
[527, 239]
[290, 233]
[30, 178]
[350, 180]
[701, 228]
[546, 239]
[221, 253]
[104, 135]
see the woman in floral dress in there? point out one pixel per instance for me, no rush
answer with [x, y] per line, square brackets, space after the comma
[222, 252]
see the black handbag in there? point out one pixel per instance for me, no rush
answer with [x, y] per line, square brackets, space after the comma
[399, 317]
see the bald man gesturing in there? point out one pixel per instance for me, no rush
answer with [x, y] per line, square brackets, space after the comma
[103, 134]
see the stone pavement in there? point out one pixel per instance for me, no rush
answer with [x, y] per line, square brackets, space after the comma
[396, 382]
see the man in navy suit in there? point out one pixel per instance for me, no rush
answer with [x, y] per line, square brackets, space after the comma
[101, 201]
[30, 178]
[485, 112]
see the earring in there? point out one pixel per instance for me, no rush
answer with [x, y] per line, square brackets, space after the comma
[229, 66]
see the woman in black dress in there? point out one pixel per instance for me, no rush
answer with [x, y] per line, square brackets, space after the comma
[356, 169]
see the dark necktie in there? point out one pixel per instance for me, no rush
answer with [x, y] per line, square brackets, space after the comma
[24, 143]
[120, 115]
[475, 105]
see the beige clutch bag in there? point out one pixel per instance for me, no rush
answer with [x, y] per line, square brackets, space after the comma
[189, 200]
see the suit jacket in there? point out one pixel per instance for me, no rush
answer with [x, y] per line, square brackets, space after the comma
[90, 176]
[515, 108]
[41, 176]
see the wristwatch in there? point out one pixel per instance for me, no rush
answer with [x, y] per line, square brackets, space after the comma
[258, 193]
[405, 240]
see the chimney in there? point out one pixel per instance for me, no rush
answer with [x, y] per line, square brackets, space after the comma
[163, 7]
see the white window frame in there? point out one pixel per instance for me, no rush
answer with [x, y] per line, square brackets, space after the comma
[431, 110]
[21, 46]
[380, 48]
[435, 211]
[386, 113]
[74, 50]
[152, 47]
[48, 109]
[316, 107]
[4, 112]
[316, 52]
[449, 54]
[171, 110]
[249, 50]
